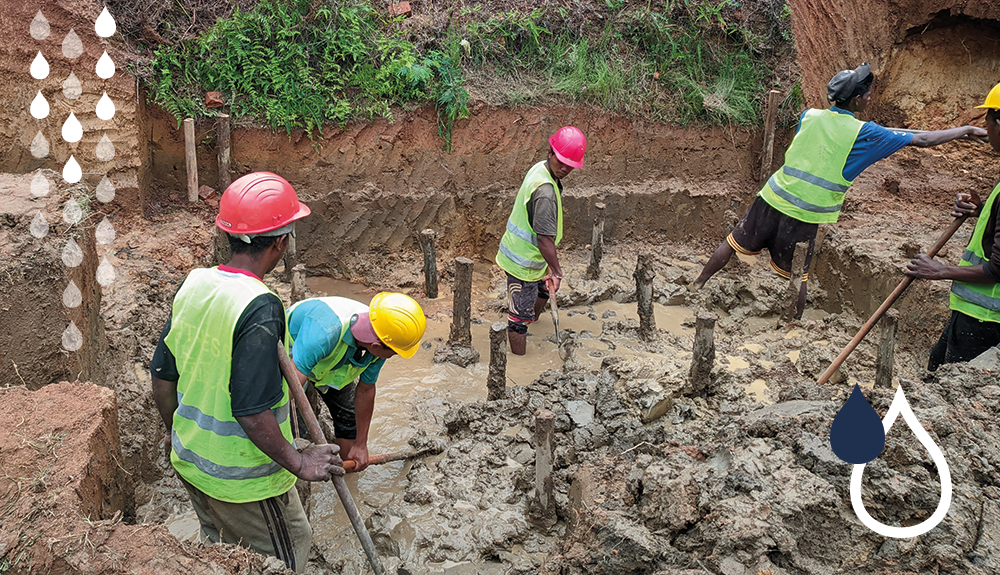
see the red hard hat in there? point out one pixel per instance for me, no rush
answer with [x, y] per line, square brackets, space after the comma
[569, 144]
[259, 202]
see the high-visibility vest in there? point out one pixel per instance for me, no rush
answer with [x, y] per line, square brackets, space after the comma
[978, 300]
[324, 375]
[519, 255]
[810, 186]
[210, 450]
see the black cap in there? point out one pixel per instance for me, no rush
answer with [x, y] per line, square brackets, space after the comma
[850, 83]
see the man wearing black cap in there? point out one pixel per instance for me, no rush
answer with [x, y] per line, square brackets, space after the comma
[830, 150]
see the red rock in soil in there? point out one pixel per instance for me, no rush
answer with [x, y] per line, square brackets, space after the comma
[400, 9]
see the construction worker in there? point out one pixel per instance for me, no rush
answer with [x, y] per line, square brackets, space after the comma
[974, 326]
[336, 341]
[528, 246]
[830, 150]
[219, 390]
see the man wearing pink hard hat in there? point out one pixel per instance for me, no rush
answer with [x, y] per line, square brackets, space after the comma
[528, 246]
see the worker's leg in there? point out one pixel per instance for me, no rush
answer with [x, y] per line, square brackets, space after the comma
[341, 405]
[782, 249]
[275, 526]
[541, 300]
[522, 298]
[965, 338]
[748, 237]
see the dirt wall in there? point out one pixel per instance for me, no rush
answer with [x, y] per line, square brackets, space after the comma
[832, 35]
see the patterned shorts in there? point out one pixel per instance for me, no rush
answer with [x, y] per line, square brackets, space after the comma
[521, 296]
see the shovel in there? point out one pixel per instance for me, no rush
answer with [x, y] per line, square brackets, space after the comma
[555, 320]
[411, 453]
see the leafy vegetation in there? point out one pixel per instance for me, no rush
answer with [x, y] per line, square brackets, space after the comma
[305, 63]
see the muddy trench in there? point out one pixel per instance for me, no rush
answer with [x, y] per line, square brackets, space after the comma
[650, 474]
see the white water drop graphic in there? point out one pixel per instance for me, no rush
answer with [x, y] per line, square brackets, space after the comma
[105, 273]
[72, 213]
[39, 27]
[39, 106]
[105, 149]
[72, 339]
[105, 108]
[105, 190]
[72, 130]
[72, 87]
[105, 24]
[39, 67]
[898, 407]
[71, 171]
[105, 232]
[105, 67]
[39, 185]
[39, 226]
[72, 296]
[72, 255]
[39, 145]
[72, 46]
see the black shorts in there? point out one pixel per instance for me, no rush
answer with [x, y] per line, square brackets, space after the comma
[963, 339]
[765, 227]
[521, 297]
[340, 402]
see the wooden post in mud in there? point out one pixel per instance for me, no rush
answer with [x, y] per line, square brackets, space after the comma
[223, 147]
[596, 244]
[430, 263]
[299, 283]
[770, 120]
[644, 275]
[290, 258]
[790, 307]
[496, 381]
[886, 350]
[544, 431]
[703, 354]
[191, 160]
[461, 321]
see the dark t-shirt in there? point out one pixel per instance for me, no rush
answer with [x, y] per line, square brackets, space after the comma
[543, 212]
[255, 381]
[991, 243]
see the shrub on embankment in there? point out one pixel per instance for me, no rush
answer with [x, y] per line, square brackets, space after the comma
[303, 64]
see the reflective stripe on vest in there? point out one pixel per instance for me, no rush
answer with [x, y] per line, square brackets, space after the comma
[978, 300]
[810, 186]
[518, 254]
[324, 375]
[210, 450]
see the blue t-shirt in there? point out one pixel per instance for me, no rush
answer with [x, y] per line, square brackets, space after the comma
[874, 143]
[315, 329]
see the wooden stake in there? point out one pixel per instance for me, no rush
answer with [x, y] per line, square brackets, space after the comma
[596, 244]
[496, 382]
[790, 306]
[886, 350]
[703, 354]
[290, 258]
[461, 322]
[299, 288]
[191, 160]
[430, 263]
[544, 432]
[644, 275]
[770, 120]
[222, 145]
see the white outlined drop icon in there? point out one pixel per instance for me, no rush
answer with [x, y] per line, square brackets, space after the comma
[899, 407]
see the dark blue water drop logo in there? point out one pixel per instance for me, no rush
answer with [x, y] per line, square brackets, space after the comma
[857, 435]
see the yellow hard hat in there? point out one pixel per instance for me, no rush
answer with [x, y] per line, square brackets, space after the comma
[398, 321]
[992, 99]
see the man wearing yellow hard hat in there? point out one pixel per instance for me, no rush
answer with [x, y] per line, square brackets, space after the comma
[974, 326]
[335, 341]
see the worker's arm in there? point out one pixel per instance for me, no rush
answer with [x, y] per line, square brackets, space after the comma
[928, 139]
[315, 463]
[547, 245]
[364, 407]
[924, 267]
[165, 397]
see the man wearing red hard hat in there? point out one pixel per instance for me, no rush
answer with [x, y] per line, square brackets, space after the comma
[219, 390]
[528, 246]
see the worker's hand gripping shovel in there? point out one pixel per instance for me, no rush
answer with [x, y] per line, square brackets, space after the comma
[288, 370]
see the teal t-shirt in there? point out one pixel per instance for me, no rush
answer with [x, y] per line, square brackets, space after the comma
[315, 328]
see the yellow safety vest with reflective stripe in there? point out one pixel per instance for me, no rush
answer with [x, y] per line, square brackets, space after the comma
[810, 186]
[519, 255]
[978, 300]
[210, 450]
[323, 375]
